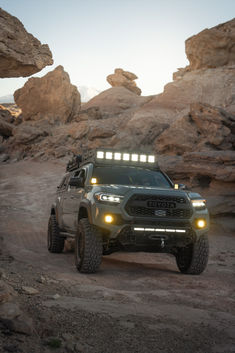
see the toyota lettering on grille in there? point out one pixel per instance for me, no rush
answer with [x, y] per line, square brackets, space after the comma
[161, 204]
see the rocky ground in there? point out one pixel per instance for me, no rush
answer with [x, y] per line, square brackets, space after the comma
[135, 303]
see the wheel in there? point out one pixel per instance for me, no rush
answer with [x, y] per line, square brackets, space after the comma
[55, 243]
[88, 247]
[193, 258]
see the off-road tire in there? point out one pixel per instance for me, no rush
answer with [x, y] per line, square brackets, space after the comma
[193, 259]
[55, 243]
[88, 247]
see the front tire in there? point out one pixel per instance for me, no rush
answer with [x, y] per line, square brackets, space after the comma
[88, 247]
[193, 258]
[55, 243]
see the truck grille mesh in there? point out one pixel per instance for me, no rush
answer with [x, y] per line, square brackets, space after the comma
[158, 206]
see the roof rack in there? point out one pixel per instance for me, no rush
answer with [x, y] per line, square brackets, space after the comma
[74, 163]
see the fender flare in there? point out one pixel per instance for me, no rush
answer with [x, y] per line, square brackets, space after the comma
[87, 205]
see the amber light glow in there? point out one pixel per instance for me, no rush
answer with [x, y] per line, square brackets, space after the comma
[108, 218]
[200, 223]
[93, 181]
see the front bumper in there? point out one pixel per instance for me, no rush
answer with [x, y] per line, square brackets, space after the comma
[148, 230]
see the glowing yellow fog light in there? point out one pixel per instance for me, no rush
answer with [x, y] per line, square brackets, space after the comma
[200, 223]
[93, 181]
[108, 218]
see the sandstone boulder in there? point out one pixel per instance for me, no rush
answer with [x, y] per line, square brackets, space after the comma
[212, 47]
[212, 86]
[26, 134]
[5, 128]
[78, 130]
[115, 101]
[122, 78]
[12, 317]
[100, 132]
[21, 54]
[6, 292]
[51, 96]
[92, 113]
[203, 128]
[6, 115]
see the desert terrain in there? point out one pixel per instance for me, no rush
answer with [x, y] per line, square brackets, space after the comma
[137, 302]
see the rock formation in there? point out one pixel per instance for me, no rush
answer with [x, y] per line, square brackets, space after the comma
[204, 128]
[115, 101]
[51, 96]
[5, 128]
[125, 79]
[212, 47]
[191, 125]
[21, 54]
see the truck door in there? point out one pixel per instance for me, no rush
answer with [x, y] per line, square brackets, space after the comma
[71, 202]
[61, 191]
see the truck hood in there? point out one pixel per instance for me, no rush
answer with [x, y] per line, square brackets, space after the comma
[125, 189]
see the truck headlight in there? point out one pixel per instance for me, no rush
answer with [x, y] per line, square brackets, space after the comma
[116, 199]
[199, 204]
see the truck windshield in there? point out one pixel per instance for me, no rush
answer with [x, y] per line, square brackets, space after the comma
[122, 175]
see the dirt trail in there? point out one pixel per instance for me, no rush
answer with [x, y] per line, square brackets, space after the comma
[135, 303]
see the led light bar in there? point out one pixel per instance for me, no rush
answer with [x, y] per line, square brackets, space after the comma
[160, 230]
[125, 156]
[117, 156]
[108, 155]
[134, 157]
[100, 154]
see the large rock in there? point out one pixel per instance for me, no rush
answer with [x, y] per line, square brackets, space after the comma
[5, 128]
[51, 96]
[6, 115]
[203, 128]
[13, 318]
[21, 54]
[6, 292]
[212, 86]
[26, 134]
[122, 78]
[115, 101]
[212, 47]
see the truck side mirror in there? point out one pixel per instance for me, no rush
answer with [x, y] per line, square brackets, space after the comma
[180, 187]
[77, 182]
[183, 187]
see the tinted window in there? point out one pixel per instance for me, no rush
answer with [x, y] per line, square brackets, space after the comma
[130, 176]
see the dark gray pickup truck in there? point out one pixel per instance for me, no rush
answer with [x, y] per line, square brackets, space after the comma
[114, 200]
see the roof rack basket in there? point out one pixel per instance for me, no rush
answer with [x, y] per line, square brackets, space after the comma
[74, 163]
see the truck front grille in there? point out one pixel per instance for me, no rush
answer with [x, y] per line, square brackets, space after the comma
[158, 206]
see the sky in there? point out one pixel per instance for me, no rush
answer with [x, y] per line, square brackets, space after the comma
[90, 38]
